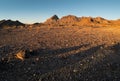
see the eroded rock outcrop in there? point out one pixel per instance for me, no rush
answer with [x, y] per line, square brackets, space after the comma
[72, 20]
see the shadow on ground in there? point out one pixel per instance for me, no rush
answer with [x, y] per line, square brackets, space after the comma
[49, 62]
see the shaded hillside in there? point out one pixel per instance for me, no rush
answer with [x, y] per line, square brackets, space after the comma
[10, 23]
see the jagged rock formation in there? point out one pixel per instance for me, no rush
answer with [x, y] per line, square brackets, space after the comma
[72, 20]
[85, 21]
[101, 20]
[52, 20]
[89, 21]
[10, 23]
[68, 20]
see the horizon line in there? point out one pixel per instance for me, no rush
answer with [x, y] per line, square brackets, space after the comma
[42, 21]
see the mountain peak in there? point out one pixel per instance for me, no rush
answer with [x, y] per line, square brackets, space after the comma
[52, 19]
[68, 19]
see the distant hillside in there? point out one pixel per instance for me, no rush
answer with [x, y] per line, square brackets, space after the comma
[68, 21]
[72, 20]
[10, 23]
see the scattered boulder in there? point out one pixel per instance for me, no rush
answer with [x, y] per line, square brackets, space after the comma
[20, 55]
[24, 54]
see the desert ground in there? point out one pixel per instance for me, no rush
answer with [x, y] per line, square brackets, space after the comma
[76, 53]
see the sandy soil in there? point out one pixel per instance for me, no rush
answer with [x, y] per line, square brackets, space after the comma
[60, 54]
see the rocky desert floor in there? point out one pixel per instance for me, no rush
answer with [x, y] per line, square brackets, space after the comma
[60, 54]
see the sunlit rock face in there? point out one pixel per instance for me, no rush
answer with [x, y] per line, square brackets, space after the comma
[52, 19]
[71, 20]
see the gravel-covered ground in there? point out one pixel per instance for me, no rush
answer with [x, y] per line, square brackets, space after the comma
[60, 54]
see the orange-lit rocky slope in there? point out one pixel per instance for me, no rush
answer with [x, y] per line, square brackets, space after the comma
[62, 49]
[72, 20]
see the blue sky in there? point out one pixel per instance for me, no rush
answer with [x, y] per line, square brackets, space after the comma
[30, 11]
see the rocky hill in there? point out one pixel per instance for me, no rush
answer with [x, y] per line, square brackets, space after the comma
[10, 23]
[67, 49]
[52, 20]
[68, 20]
[72, 20]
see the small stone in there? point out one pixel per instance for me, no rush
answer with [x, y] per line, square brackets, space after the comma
[70, 78]
[20, 55]
[3, 59]
[75, 70]
[29, 68]
[81, 64]
[34, 74]
[40, 79]
[113, 43]
[101, 47]
[37, 59]
[53, 78]
[92, 57]
[105, 46]
[66, 45]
